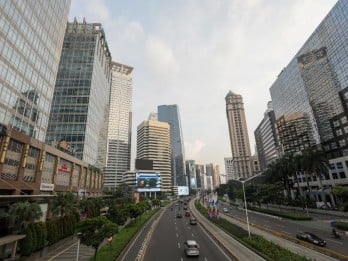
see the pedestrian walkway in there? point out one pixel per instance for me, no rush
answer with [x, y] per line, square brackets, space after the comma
[65, 249]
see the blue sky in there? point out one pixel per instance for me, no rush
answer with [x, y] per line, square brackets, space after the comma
[191, 53]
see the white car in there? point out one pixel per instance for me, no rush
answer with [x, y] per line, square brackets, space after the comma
[191, 248]
[225, 210]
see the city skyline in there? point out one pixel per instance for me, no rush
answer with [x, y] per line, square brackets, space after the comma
[208, 48]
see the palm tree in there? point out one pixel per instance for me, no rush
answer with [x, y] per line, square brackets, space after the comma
[64, 204]
[315, 163]
[21, 214]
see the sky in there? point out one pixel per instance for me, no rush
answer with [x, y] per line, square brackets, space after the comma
[192, 52]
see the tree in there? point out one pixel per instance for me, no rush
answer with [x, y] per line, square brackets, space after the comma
[342, 194]
[64, 204]
[21, 214]
[94, 230]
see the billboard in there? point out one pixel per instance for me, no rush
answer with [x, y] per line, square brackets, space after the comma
[147, 182]
[183, 191]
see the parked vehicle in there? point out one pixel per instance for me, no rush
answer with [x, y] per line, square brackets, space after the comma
[187, 214]
[191, 248]
[311, 238]
[225, 210]
[178, 215]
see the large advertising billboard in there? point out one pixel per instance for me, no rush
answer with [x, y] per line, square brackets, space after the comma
[183, 191]
[148, 182]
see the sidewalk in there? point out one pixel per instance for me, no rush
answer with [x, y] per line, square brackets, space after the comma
[65, 249]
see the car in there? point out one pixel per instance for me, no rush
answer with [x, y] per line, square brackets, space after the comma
[191, 248]
[193, 221]
[178, 215]
[311, 238]
[187, 214]
[225, 210]
[185, 208]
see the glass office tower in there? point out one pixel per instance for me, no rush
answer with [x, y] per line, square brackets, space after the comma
[311, 81]
[31, 38]
[120, 125]
[170, 114]
[79, 113]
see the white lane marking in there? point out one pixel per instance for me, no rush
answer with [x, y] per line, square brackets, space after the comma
[193, 235]
[61, 252]
[181, 259]
[278, 225]
[179, 245]
[285, 232]
[205, 258]
[335, 241]
[177, 235]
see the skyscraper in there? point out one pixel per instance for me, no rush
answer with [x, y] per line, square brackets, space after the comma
[191, 173]
[170, 114]
[120, 124]
[153, 143]
[79, 113]
[229, 168]
[239, 137]
[213, 171]
[266, 138]
[310, 82]
[31, 39]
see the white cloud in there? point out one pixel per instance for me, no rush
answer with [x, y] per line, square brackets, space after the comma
[193, 150]
[192, 54]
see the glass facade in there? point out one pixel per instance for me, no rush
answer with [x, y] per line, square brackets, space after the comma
[120, 125]
[170, 114]
[31, 38]
[311, 81]
[266, 138]
[80, 106]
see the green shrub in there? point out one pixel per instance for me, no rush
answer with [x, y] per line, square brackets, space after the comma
[26, 244]
[272, 250]
[34, 236]
[342, 225]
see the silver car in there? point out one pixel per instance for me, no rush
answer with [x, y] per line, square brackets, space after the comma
[191, 248]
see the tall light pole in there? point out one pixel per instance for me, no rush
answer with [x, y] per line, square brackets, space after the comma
[78, 246]
[246, 208]
[245, 202]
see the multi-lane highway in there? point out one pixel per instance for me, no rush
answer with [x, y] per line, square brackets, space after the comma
[320, 225]
[166, 242]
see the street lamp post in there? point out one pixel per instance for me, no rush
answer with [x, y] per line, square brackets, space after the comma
[245, 202]
[78, 246]
[246, 208]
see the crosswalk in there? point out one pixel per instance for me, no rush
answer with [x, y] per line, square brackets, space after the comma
[68, 251]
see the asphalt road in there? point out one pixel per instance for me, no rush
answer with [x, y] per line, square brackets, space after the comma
[320, 225]
[166, 242]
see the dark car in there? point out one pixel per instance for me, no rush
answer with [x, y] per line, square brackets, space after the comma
[178, 215]
[311, 238]
[187, 213]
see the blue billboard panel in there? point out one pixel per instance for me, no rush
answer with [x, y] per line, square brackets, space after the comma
[147, 182]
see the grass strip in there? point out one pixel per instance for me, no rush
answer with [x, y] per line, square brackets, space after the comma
[121, 239]
[288, 215]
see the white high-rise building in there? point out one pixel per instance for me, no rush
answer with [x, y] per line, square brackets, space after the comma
[120, 125]
[153, 143]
